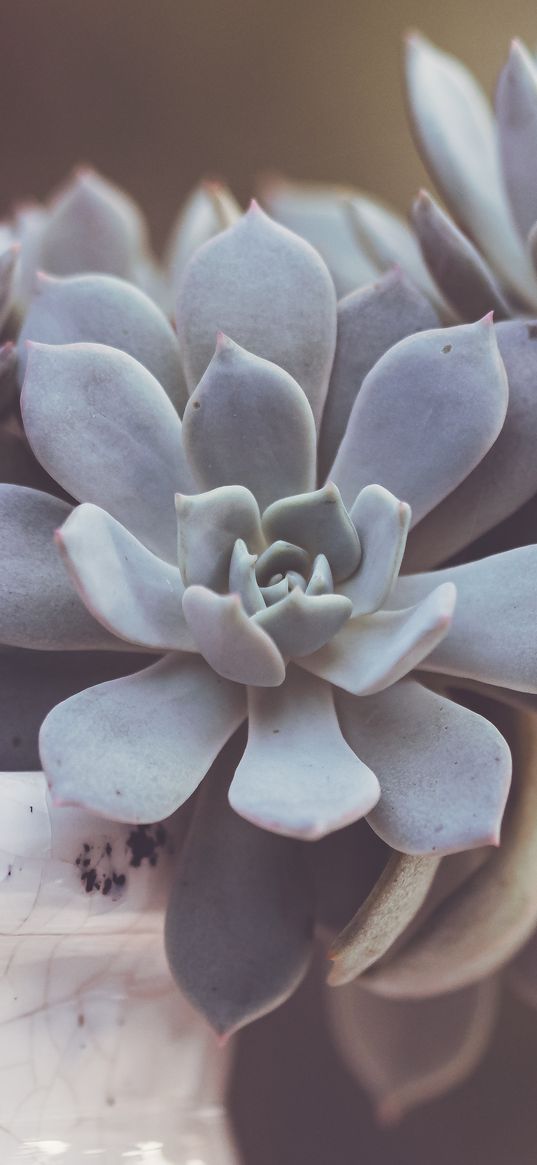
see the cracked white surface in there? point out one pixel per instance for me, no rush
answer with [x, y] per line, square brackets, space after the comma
[101, 1059]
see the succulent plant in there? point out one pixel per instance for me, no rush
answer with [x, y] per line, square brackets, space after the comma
[484, 172]
[264, 586]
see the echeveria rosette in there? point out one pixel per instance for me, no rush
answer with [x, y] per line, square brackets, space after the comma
[325, 647]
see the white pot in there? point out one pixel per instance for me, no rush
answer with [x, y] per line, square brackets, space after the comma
[101, 1058]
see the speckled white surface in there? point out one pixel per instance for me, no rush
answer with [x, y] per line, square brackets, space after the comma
[101, 1058]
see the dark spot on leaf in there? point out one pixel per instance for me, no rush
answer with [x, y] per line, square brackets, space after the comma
[447, 347]
[196, 404]
[80, 1020]
[532, 331]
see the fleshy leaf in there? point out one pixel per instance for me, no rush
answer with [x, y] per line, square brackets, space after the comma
[135, 749]
[498, 593]
[389, 239]
[456, 134]
[318, 213]
[8, 265]
[80, 399]
[407, 1052]
[321, 580]
[231, 642]
[319, 522]
[208, 527]
[425, 416]
[134, 594]
[249, 423]
[484, 923]
[281, 558]
[522, 974]
[373, 651]
[239, 925]
[369, 321]
[268, 290]
[102, 310]
[300, 623]
[507, 475]
[297, 776]
[389, 908]
[211, 208]
[242, 578]
[516, 112]
[92, 226]
[39, 607]
[444, 771]
[459, 270]
[382, 522]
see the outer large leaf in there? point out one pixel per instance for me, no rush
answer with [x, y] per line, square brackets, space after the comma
[105, 429]
[484, 923]
[443, 770]
[39, 607]
[523, 972]
[456, 134]
[404, 1053]
[493, 636]
[92, 226]
[387, 911]
[425, 416]
[507, 475]
[268, 290]
[456, 265]
[298, 776]
[389, 239]
[210, 208]
[319, 214]
[369, 321]
[134, 749]
[103, 310]
[240, 917]
[516, 109]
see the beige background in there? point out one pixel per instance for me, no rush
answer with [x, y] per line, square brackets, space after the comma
[158, 92]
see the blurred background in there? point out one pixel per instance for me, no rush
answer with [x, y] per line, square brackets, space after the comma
[156, 94]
